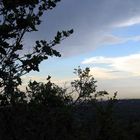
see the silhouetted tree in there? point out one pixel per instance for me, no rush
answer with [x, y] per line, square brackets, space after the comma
[48, 94]
[19, 17]
[84, 86]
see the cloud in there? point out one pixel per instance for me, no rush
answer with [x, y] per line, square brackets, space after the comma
[92, 21]
[106, 73]
[129, 22]
[110, 39]
[129, 64]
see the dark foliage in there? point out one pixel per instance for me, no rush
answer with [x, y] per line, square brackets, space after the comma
[50, 112]
[18, 18]
[46, 111]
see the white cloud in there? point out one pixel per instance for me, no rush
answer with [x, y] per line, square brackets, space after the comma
[129, 22]
[111, 39]
[129, 64]
[107, 74]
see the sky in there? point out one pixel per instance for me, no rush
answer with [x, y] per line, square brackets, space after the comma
[106, 38]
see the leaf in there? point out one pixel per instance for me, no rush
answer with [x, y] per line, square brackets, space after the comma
[71, 31]
[49, 77]
[32, 26]
[19, 80]
[2, 51]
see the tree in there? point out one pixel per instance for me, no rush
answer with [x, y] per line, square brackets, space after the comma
[48, 94]
[85, 85]
[19, 17]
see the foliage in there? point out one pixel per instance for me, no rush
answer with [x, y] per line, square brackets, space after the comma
[48, 94]
[105, 121]
[85, 84]
[50, 112]
[17, 19]
[46, 111]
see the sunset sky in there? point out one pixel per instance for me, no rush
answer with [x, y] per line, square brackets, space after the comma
[106, 38]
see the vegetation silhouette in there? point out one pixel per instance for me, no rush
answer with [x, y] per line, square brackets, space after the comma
[46, 111]
[17, 19]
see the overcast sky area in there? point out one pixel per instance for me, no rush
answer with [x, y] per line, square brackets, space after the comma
[106, 38]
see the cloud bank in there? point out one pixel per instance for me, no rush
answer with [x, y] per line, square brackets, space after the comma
[125, 65]
[93, 22]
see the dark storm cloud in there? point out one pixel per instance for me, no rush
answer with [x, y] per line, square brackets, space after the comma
[92, 21]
